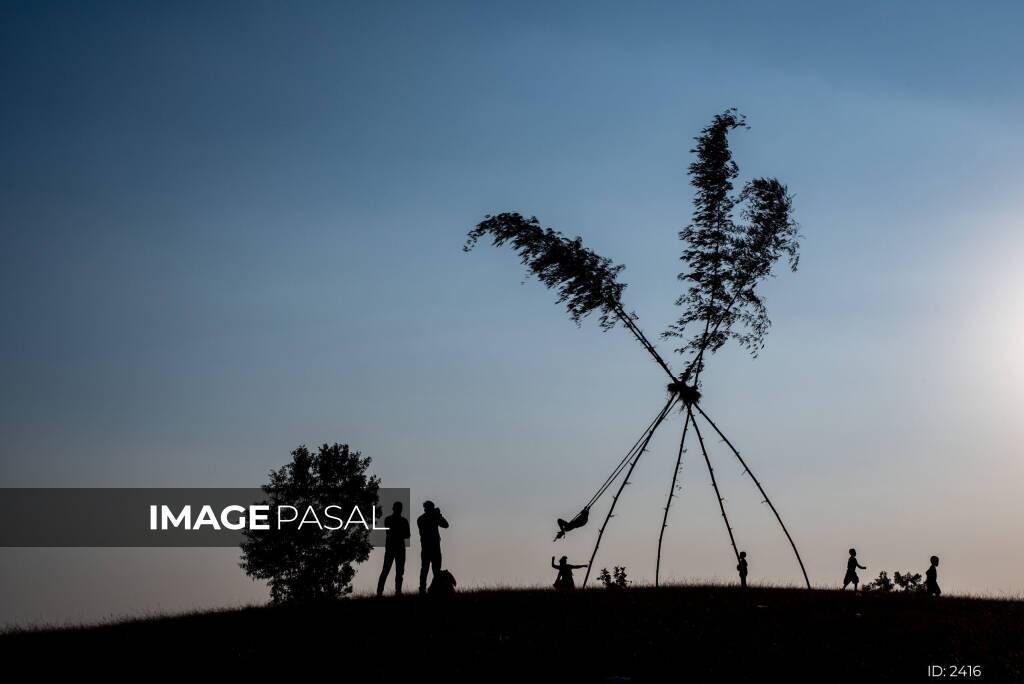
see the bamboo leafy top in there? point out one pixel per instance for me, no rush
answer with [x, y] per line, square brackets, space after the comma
[585, 281]
[726, 256]
[731, 245]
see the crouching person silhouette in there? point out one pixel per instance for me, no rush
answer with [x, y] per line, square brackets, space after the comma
[430, 541]
[564, 581]
[394, 548]
[931, 582]
[443, 583]
[851, 571]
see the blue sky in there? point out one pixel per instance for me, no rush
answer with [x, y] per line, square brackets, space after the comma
[230, 230]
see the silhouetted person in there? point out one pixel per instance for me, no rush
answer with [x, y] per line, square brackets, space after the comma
[851, 571]
[443, 583]
[568, 525]
[931, 582]
[564, 581]
[430, 541]
[742, 569]
[394, 548]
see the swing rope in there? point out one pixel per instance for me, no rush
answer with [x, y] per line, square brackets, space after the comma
[672, 401]
[671, 495]
[622, 464]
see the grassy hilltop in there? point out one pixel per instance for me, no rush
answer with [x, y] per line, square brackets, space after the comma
[686, 633]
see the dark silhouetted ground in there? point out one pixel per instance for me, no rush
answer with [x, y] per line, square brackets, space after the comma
[677, 634]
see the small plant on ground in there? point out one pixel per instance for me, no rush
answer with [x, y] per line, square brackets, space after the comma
[882, 584]
[908, 582]
[616, 579]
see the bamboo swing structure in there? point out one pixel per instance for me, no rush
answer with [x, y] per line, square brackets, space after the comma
[680, 393]
[726, 264]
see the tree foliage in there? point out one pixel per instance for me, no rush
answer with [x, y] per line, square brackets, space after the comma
[585, 281]
[307, 563]
[727, 257]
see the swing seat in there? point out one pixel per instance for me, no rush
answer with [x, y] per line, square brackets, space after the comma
[567, 526]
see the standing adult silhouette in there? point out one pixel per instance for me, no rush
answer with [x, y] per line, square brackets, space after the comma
[851, 571]
[430, 541]
[931, 583]
[394, 548]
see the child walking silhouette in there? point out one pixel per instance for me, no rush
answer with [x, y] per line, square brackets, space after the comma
[851, 571]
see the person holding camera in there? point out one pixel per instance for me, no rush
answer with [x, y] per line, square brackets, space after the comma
[429, 525]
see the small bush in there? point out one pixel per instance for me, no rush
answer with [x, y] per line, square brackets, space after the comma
[881, 584]
[616, 579]
[909, 582]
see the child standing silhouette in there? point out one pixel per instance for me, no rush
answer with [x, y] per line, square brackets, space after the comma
[851, 571]
[931, 583]
[742, 569]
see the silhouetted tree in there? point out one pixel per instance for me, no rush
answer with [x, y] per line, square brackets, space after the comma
[307, 563]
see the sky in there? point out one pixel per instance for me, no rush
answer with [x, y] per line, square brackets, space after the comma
[232, 229]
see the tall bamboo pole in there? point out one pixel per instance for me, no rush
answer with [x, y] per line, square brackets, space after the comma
[768, 501]
[714, 483]
[631, 325]
[668, 504]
